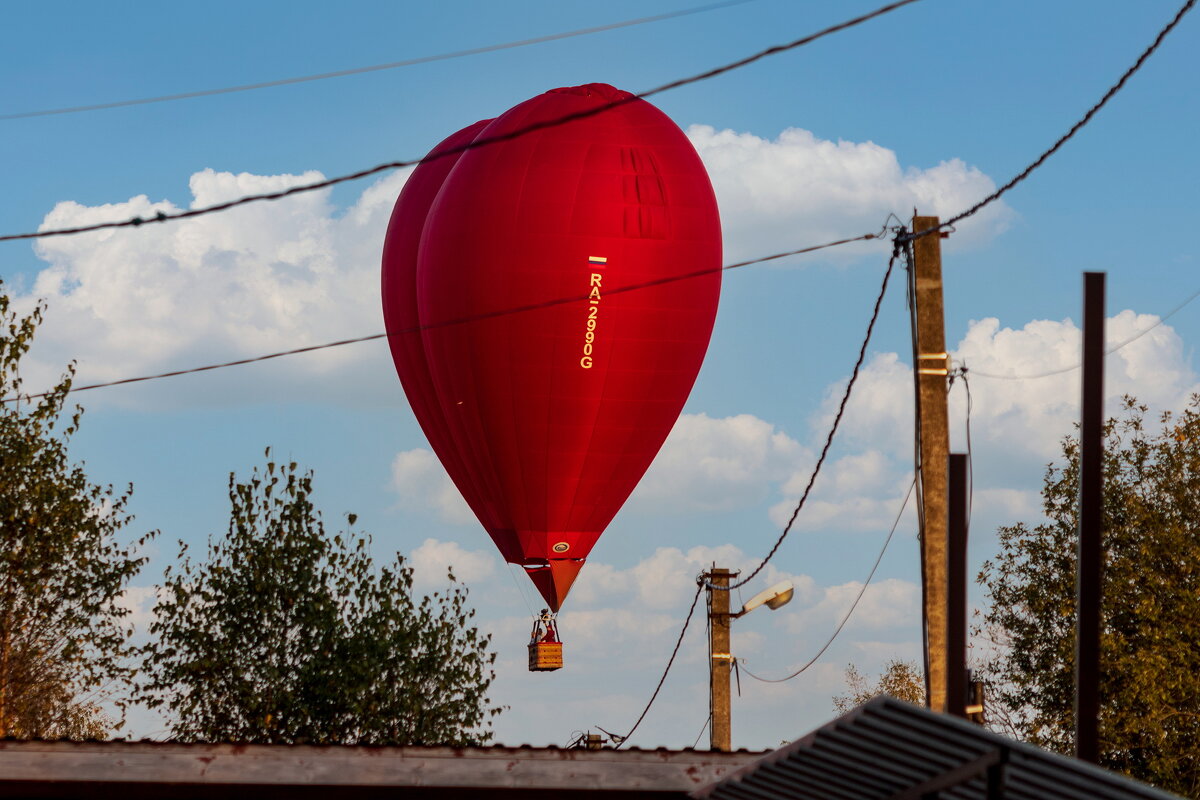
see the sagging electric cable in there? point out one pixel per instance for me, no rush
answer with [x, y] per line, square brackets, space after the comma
[1074, 129]
[1021, 176]
[1108, 352]
[897, 249]
[135, 222]
[666, 671]
[457, 321]
[853, 606]
[707, 722]
[342, 73]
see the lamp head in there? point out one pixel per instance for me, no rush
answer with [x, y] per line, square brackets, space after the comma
[773, 597]
[783, 597]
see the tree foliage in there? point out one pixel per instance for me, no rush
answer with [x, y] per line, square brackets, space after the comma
[900, 679]
[64, 642]
[1150, 642]
[44, 701]
[287, 635]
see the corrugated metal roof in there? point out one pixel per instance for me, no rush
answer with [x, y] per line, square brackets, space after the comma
[494, 746]
[889, 749]
[136, 770]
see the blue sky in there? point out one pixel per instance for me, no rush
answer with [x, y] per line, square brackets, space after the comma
[934, 105]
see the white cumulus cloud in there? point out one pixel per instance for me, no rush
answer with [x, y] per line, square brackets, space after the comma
[861, 491]
[421, 483]
[718, 464]
[667, 578]
[1030, 415]
[278, 275]
[886, 603]
[260, 278]
[880, 412]
[139, 601]
[798, 190]
[1025, 399]
[1025, 392]
[434, 558]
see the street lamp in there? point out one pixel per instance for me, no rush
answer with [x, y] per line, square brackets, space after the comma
[772, 597]
[720, 659]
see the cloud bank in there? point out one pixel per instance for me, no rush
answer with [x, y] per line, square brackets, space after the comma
[798, 190]
[295, 272]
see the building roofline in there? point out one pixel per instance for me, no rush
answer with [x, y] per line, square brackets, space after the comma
[169, 768]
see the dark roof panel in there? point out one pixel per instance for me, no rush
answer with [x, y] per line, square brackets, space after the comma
[891, 750]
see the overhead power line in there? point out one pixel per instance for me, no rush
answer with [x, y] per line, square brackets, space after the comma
[1084, 120]
[134, 222]
[897, 248]
[342, 73]
[458, 321]
[854, 605]
[1108, 352]
[670, 663]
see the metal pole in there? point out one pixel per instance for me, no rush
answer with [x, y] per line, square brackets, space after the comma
[719, 662]
[1091, 500]
[956, 644]
[932, 368]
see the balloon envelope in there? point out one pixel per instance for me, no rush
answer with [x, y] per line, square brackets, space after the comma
[401, 314]
[564, 283]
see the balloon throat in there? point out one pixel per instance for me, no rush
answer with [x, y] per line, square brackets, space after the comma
[553, 578]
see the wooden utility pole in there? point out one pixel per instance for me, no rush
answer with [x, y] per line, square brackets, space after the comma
[720, 661]
[1091, 503]
[933, 433]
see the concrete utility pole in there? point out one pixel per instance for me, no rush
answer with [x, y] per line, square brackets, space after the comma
[932, 368]
[720, 660]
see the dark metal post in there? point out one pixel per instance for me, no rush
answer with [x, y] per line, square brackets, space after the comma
[996, 777]
[1091, 499]
[956, 615]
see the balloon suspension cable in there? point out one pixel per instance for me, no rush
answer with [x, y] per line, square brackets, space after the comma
[521, 591]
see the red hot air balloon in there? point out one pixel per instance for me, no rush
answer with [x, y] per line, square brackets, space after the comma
[551, 297]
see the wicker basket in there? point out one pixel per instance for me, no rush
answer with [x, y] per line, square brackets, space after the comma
[545, 656]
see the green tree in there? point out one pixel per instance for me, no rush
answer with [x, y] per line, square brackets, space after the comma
[45, 701]
[64, 639]
[1150, 642]
[287, 635]
[900, 679]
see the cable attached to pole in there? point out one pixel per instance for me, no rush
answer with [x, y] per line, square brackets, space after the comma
[837, 421]
[458, 321]
[854, 605]
[667, 671]
[1066, 137]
